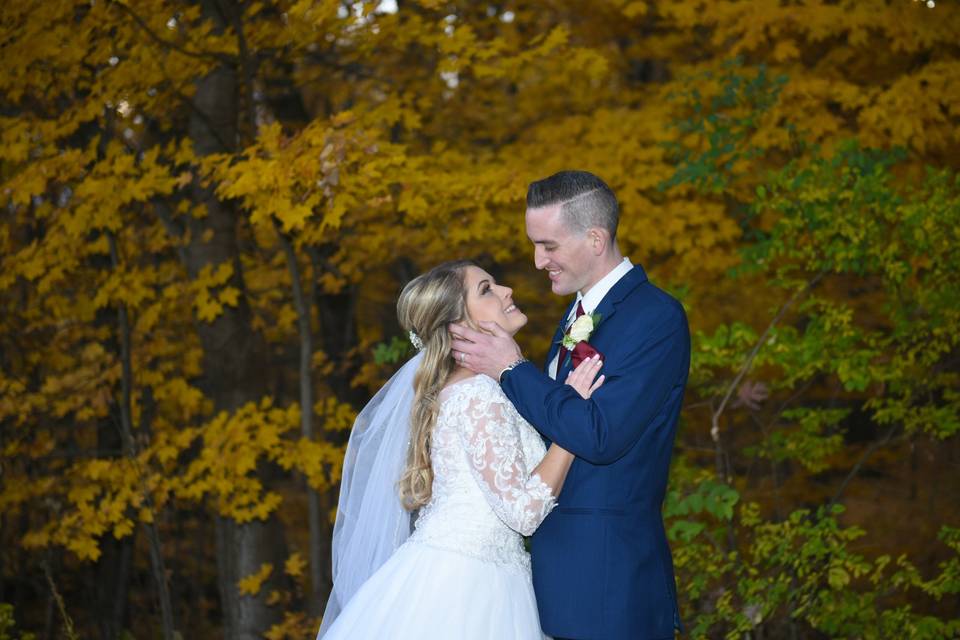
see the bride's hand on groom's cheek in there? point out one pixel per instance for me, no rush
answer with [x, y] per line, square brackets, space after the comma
[584, 378]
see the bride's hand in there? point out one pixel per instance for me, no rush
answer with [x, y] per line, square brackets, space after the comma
[582, 378]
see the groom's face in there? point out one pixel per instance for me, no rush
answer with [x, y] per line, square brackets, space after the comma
[564, 254]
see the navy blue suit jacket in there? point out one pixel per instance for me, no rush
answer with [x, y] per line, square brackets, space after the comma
[601, 564]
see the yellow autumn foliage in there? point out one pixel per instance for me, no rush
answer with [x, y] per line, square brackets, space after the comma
[158, 159]
[251, 584]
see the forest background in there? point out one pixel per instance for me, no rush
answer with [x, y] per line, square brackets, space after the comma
[210, 207]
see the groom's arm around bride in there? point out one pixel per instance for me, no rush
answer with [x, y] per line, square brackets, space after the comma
[602, 567]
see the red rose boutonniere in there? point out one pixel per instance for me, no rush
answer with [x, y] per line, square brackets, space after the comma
[575, 340]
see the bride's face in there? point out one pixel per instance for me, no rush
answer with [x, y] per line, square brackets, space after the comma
[489, 301]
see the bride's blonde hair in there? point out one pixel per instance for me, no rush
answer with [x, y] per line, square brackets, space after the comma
[426, 306]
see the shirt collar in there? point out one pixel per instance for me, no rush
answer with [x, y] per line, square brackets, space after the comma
[603, 286]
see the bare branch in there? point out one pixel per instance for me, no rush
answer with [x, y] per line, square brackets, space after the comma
[200, 55]
[67, 621]
[715, 426]
[863, 459]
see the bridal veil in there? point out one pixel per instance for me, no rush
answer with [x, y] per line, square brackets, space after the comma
[371, 521]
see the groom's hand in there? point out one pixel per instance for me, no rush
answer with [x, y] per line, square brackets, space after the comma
[488, 353]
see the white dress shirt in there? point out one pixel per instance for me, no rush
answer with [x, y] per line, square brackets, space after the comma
[591, 300]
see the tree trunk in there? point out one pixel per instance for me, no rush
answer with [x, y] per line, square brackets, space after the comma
[336, 315]
[130, 451]
[113, 567]
[318, 550]
[234, 357]
[113, 577]
[241, 550]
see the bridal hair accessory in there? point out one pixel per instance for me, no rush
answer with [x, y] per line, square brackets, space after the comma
[415, 340]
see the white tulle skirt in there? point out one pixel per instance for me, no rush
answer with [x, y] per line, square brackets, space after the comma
[426, 593]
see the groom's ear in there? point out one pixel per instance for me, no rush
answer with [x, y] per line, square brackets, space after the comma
[598, 240]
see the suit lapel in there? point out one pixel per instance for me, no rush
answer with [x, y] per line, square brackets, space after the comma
[607, 307]
[557, 336]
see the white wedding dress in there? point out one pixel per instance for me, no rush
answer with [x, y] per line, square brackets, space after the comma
[464, 572]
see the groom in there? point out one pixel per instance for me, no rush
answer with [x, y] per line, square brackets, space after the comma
[601, 564]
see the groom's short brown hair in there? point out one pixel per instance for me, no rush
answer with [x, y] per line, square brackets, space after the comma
[585, 200]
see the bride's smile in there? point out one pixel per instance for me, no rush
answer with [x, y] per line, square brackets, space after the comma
[491, 302]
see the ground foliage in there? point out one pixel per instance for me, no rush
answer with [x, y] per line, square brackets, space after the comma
[199, 195]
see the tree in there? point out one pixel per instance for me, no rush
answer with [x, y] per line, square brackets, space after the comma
[210, 207]
[864, 264]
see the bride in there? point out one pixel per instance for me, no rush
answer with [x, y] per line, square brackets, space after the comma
[441, 480]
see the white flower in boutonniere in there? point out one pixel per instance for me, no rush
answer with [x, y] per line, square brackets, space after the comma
[581, 329]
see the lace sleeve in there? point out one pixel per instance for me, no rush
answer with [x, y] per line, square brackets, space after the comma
[491, 438]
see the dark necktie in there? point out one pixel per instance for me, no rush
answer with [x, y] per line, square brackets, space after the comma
[563, 350]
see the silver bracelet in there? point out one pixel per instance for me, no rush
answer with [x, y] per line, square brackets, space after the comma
[510, 366]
